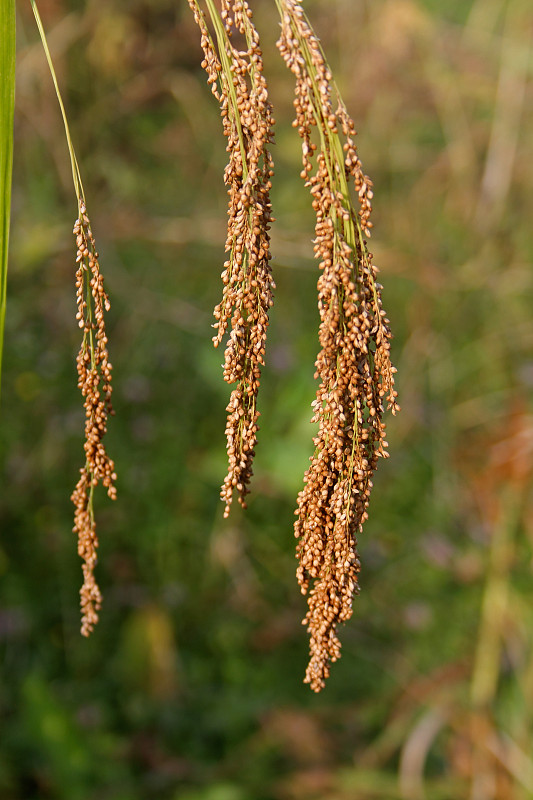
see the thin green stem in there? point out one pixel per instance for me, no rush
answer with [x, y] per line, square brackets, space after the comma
[76, 176]
[7, 106]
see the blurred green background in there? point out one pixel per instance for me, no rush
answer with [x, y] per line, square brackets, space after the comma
[191, 686]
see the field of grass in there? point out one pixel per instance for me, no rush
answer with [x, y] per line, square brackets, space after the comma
[191, 686]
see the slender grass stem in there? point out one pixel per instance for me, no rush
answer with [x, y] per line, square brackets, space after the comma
[76, 176]
[7, 106]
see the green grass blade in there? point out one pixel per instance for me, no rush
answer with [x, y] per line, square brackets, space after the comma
[7, 105]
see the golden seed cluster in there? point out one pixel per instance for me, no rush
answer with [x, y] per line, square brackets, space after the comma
[94, 381]
[353, 365]
[237, 81]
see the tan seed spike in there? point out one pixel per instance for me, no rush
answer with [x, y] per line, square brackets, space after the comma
[235, 75]
[353, 364]
[94, 381]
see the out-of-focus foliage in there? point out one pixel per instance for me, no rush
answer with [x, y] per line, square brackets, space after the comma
[191, 688]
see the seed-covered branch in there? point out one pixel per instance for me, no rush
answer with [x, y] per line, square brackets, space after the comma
[237, 81]
[353, 365]
[94, 381]
[94, 376]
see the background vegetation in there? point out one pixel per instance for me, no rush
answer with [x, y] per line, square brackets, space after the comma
[191, 687]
